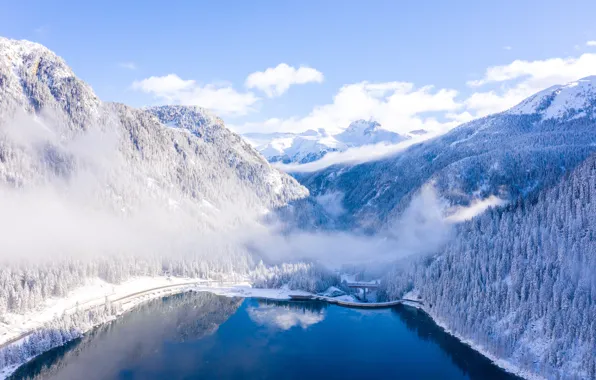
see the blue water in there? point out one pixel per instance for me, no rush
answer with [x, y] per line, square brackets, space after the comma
[203, 336]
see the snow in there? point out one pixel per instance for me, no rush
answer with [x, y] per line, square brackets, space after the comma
[502, 363]
[559, 101]
[140, 289]
[92, 294]
[311, 145]
[332, 291]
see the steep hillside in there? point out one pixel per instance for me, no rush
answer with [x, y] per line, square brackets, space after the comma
[208, 164]
[505, 155]
[92, 189]
[520, 281]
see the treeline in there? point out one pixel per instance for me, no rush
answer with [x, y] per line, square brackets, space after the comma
[521, 281]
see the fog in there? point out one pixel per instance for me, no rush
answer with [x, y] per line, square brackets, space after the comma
[422, 229]
[357, 155]
[81, 197]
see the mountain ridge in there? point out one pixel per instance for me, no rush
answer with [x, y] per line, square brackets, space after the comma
[311, 145]
[35, 81]
[504, 155]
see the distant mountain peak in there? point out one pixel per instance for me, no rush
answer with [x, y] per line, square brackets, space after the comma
[572, 100]
[363, 126]
[366, 132]
[312, 145]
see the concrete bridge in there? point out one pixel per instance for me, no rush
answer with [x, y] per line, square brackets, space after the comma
[364, 286]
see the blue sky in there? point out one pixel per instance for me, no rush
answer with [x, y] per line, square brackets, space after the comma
[396, 47]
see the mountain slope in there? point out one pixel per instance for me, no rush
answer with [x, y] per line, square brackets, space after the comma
[520, 281]
[93, 189]
[36, 81]
[312, 145]
[506, 155]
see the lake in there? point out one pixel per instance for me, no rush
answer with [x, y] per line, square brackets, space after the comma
[205, 336]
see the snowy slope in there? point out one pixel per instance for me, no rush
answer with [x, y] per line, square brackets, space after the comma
[133, 191]
[311, 145]
[504, 155]
[295, 147]
[573, 100]
[518, 283]
[362, 132]
[62, 109]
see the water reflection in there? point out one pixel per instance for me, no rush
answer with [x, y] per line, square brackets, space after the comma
[285, 315]
[136, 335]
[469, 361]
[203, 336]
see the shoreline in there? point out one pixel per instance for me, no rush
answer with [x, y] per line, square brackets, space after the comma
[241, 289]
[499, 362]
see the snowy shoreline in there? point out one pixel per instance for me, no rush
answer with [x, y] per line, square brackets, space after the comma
[499, 362]
[142, 289]
[15, 328]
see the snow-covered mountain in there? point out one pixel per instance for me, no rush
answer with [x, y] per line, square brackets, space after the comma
[197, 161]
[504, 155]
[562, 102]
[362, 132]
[91, 190]
[311, 145]
[520, 282]
[302, 147]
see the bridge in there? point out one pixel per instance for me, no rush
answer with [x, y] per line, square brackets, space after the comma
[364, 286]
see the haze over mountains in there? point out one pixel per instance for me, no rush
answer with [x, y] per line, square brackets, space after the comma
[506, 155]
[311, 145]
[111, 191]
[94, 178]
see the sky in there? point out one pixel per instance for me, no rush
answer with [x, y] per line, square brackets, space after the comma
[266, 66]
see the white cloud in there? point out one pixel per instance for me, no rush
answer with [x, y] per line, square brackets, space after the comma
[540, 71]
[284, 318]
[128, 65]
[398, 106]
[276, 80]
[222, 99]
[507, 47]
[591, 43]
[520, 79]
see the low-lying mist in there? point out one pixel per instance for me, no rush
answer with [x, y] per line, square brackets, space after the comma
[89, 196]
[422, 229]
[86, 196]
